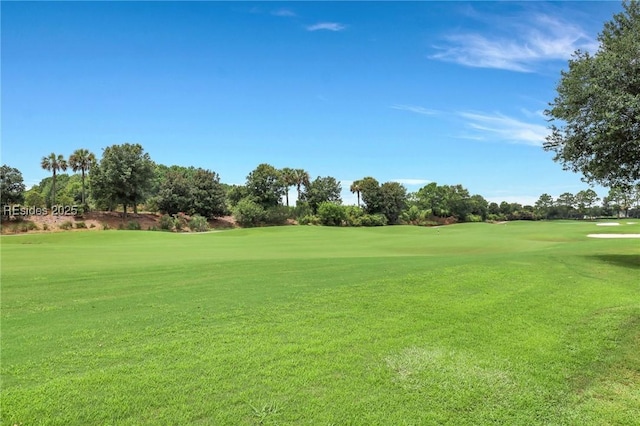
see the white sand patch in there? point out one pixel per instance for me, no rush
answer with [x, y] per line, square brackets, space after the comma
[631, 223]
[608, 224]
[614, 235]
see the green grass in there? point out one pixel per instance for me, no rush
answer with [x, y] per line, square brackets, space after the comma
[519, 324]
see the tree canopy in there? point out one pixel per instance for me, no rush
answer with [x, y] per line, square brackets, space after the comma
[595, 117]
[11, 185]
[123, 176]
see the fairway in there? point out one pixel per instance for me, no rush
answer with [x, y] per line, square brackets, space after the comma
[525, 323]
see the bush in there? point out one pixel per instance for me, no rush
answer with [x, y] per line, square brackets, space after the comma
[93, 225]
[166, 222]
[81, 225]
[180, 221]
[473, 218]
[331, 214]
[309, 220]
[105, 227]
[248, 213]
[198, 223]
[277, 215]
[132, 225]
[301, 210]
[354, 215]
[45, 227]
[25, 226]
[377, 219]
[66, 225]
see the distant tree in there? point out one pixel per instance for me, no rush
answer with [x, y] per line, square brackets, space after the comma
[393, 200]
[174, 195]
[208, 198]
[478, 206]
[301, 177]
[371, 195]
[235, 193]
[355, 189]
[434, 198]
[585, 200]
[566, 202]
[597, 104]
[621, 199]
[322, 189]
[266, 185]
[11, 185]
[544, 205]
[53, 163]
[82, 160]
[124, 176]
[290, 179]
[493, 208]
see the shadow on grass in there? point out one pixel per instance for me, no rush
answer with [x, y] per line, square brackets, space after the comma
[625, 260]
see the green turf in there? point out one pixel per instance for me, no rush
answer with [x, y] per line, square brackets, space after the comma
[518, 324]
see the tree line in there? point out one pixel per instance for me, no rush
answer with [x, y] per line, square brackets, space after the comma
[126, 178]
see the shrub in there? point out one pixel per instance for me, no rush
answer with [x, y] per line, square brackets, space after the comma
[198, 223]
[132, 225]
[331, 214]
[180, 221]
[105, 227]
[24, 226]
[81, 225]
[276, 215]
[166, 222]
[473, 218]
[66, 225]
[309, 220]
[301, 210]
[45, 227]
[248, 213]
[93, 225]
[354, 215]
[377, 219]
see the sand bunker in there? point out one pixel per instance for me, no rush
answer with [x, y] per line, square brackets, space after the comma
[608, 224]
[614, 235]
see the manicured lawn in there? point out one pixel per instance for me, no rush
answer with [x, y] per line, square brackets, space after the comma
[518, 324]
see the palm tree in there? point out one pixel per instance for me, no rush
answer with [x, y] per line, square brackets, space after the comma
[300, 177]
[289, 177]
[355, 188]
[82, 159]
[54, 163]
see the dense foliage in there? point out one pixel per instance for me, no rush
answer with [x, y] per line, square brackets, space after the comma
[11, 185]
[598, 106]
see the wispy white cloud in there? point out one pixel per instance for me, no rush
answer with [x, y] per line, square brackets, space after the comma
[503, 128]
[284, 12]
[414, 108]
[328, 26]
[527, 41]
[412, 182]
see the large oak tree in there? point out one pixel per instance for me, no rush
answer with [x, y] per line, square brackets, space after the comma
[123, 176]
[595, 118]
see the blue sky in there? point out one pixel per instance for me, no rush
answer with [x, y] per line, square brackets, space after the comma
[451, 92]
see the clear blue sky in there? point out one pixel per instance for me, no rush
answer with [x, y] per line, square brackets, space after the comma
[451, 92]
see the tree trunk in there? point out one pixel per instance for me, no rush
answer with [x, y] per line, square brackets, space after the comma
[83, 198]
[53, 189]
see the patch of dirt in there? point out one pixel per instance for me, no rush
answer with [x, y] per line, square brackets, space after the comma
[97, 221]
